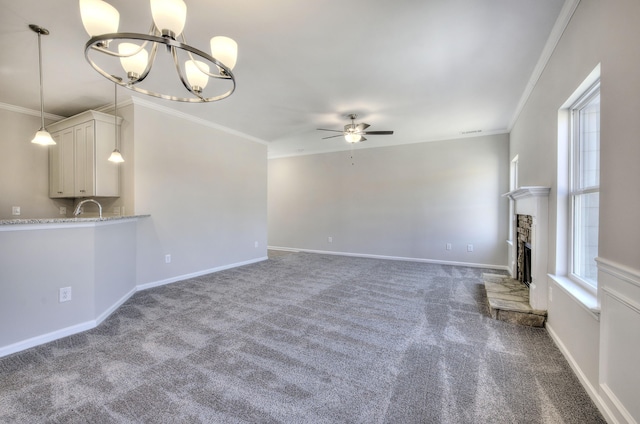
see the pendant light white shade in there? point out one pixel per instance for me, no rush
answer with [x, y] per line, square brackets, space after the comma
[225, 50]
[197, 79]
[99, 17]
[169, 15]
[135, 59]
[43, 138]
[116, 156]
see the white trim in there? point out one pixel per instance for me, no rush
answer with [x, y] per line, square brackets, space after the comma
[150, 105]
[528, 191]
[566, 13]
[586, 299]
[25, 111]
[589, 388]
[198, 274]
[359, 146]
[88, 325]
[111, 309]
[617, 404]
[46, 338]
[619, 271]
[391, 258]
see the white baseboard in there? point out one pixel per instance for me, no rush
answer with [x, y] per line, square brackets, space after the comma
[46, 338]
[591, 391]
[391, 258]
[88, 325]
[198, 274]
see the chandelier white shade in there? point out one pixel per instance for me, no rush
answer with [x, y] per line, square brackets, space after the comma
[169, 15]
[134, 59]
[42, 136]
[225, 50]
[197, 74]
[195, 69]
[99, 17]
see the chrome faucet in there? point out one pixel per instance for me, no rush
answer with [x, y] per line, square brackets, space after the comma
[78, 210]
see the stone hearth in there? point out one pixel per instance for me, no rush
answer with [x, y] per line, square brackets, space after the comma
[509, 301]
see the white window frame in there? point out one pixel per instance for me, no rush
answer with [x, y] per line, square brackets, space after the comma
[575, 190]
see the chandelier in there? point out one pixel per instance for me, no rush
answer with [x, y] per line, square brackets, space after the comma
[137, 52]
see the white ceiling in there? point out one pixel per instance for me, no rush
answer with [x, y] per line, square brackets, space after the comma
[427, 69]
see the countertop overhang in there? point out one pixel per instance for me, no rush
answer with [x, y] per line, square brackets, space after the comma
[51, 223]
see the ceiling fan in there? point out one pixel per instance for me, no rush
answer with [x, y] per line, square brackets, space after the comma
[353, 132]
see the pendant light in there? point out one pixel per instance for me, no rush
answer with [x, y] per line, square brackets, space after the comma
[42, 136]
[115, 155]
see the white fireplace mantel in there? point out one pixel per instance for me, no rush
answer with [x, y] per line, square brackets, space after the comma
[534, 201]
[531, 191]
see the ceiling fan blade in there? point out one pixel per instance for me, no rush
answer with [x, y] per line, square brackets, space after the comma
[332, 136]
[324, 129]
[377, 132]
[362, 126]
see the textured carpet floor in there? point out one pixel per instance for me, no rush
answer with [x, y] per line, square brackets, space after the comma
[301, 338]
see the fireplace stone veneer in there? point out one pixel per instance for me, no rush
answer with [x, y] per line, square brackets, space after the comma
[534, 201]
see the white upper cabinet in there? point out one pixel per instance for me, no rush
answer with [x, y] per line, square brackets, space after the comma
[78, 165]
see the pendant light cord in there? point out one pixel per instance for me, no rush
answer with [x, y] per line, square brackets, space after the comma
[41, 84]
[115, 113]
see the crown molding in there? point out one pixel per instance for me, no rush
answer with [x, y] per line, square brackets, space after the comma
[25, 111]
[151, 105]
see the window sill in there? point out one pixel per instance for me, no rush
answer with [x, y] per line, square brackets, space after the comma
[585, 298]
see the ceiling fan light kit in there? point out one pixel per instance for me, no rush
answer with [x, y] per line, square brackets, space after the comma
[137, 52]
[353, 133]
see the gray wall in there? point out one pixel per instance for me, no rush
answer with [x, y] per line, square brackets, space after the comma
[206, 192]
[405, 201]
[24, 169]
[600, 345]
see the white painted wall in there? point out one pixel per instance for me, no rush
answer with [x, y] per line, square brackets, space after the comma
[404, 201]
[600, 350]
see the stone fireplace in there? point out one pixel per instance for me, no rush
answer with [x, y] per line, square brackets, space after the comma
[523, 249]
[532, 209]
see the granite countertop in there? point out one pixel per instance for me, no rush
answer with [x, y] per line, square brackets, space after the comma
[67, 220]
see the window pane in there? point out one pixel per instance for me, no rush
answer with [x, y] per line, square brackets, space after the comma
[589, 145]
[585, 237]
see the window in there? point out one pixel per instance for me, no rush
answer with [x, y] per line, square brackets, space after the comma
[584, 186]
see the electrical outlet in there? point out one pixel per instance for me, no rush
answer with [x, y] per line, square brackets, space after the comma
[167, 259]
[448, 247]
[63, 210]
[15, 210]
[255, 244]
[64, 294]
[330, 239]
[469, 247]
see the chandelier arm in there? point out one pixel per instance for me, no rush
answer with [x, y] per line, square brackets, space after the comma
[184, 81]
[227, 74]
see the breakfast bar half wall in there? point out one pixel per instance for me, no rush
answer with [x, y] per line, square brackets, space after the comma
[93, 261]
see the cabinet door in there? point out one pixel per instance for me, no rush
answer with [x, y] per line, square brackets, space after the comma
[61, 162]
[84, 159]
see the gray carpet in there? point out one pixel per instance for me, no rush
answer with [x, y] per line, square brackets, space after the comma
[301, 338]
